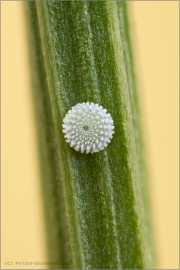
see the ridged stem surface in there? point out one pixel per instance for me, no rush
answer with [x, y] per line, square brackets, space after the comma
[95, 202]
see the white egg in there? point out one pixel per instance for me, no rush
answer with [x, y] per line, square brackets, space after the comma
[88, 128]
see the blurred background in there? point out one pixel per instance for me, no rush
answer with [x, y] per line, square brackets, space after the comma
[156, 26]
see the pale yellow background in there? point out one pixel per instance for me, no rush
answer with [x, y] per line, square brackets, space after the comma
[156, 26]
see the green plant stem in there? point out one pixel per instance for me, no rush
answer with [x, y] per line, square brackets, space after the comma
[84, 51]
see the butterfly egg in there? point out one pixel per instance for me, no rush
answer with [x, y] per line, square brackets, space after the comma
[88, 128]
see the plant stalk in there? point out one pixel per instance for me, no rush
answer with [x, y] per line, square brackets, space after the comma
[96, 205]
